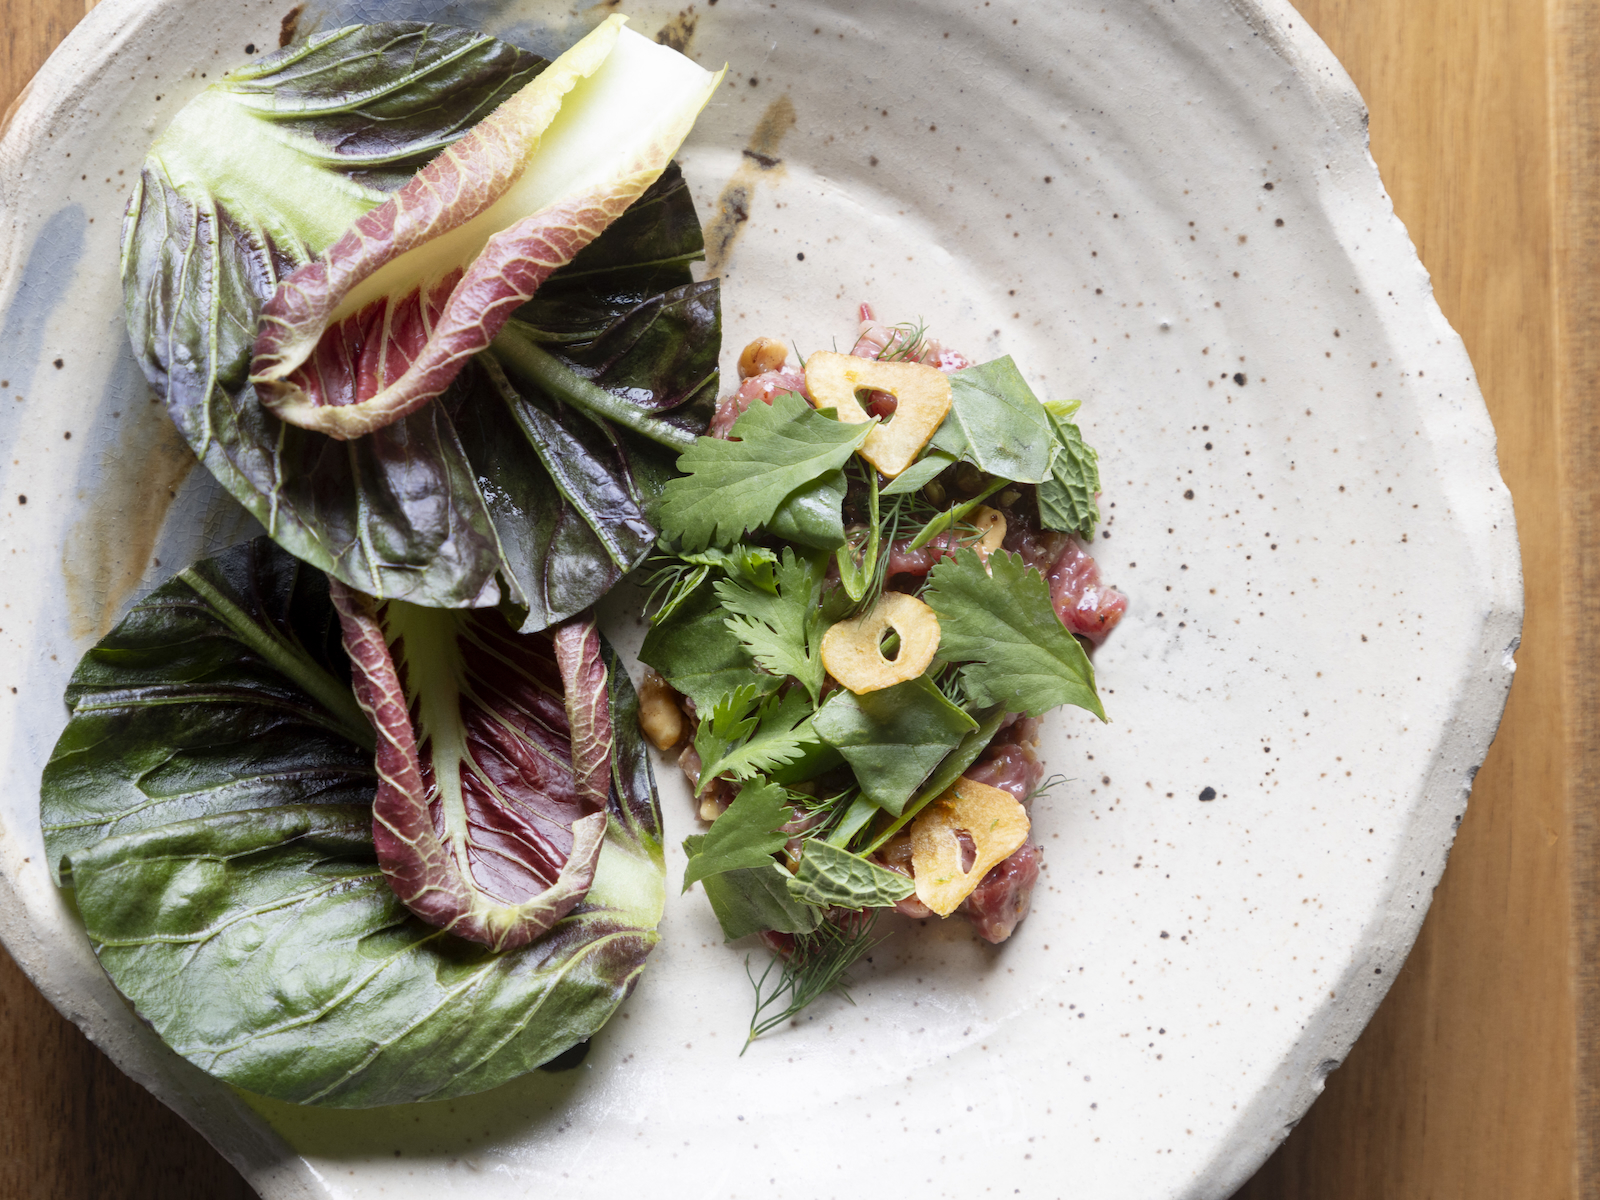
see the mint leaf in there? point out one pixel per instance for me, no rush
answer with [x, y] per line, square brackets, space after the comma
[830, 876]
[782, 630]
[1005, 631]
[997, 422]
[893, 737]
[737, 742]
[748, 834]
[1066, 499]
[698, 654]
[731, 486]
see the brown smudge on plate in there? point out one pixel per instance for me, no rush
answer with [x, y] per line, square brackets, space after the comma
[677, 33]
[290, 25]
[733, 205]
[108, 550]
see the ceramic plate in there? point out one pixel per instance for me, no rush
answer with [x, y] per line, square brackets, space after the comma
[1166, 209]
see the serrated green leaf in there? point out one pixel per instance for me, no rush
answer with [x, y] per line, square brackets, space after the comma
[757, 898]
[738, 743]
[893, 737]
[997, 422]
[1004, 631]
[733, 486]
[828, 876]
[747, 835]
[781, 630]
[1066, 499]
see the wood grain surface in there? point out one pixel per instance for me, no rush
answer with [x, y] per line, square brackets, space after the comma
[1478, 1078]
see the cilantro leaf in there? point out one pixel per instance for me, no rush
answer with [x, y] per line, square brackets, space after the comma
[1005, 631]
[782, 631]
[893, 737]
[740, 742]
[811, 516]
[748, 834]
[1066, 499]
[997, 422]
[731, 486]
[830, 876]
[699, 655]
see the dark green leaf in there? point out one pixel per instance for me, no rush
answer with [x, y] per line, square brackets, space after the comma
[829, 876]
[215, 818]
[810, 515]
[731, 486]
[1066, 499]
[893, 737]
[997, 422]
[747, 834]
[698, 655]
[1004, 630]
[920, 473]
[434, 507]
[753, 899]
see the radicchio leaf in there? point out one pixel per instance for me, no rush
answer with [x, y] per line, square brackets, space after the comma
[210, 806]
[451, 506]
[491, 829]
[387, 318]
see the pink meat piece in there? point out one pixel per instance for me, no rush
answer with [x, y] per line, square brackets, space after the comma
[1039, 548]
[998, 904]
[903, 561]
[761, 387]
[1086, 606]
[1009, 762]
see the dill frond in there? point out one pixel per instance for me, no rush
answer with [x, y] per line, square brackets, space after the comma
[815, 967]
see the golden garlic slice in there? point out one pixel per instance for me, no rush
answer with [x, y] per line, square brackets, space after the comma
[850, 650]
[990, 816]
[992, 524]
[922, 398]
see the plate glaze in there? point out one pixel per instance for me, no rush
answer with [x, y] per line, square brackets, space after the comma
[1164, 208]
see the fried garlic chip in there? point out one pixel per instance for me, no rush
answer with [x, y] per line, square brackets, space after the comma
[991, 817]
[922, 398]
[851, 650]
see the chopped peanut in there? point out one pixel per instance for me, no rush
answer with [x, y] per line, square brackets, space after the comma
[992, 820]
[850, 649]
[921, 392]
[660, 718]
[761, 356]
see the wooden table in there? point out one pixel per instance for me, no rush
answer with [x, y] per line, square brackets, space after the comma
[1480, 1077]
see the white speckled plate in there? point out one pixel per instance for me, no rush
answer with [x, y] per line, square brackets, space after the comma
[1165, 207]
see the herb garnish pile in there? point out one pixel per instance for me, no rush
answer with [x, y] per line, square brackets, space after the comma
[838, 689]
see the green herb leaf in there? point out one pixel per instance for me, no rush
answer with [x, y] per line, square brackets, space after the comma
[816, 967]
[747, 835]
[738, 743]
[998, 423]
[1066, 499]
[829, 876]
[920, 473]
[810, 516]
[698, 654]
[1005, 631]
[893, 737]
[945, 774]
[732, 486]
[750, 899]
[782, 631]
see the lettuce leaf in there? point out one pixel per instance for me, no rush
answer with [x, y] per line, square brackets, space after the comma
[451, 506]
[210, 804]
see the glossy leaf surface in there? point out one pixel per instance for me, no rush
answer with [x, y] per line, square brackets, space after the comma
[453, 506]
[214, 815]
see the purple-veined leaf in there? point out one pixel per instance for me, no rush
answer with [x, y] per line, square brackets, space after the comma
[494, 762]
[387, 318]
